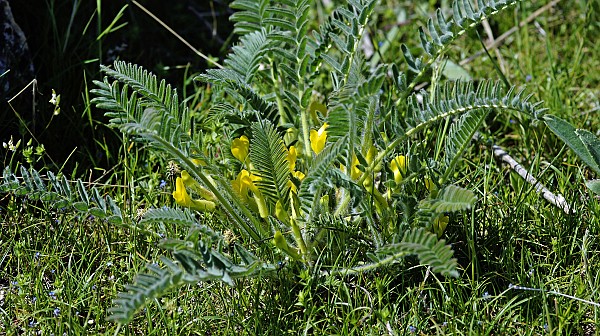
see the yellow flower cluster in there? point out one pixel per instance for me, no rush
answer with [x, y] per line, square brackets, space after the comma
[182, 197]
[245, 182]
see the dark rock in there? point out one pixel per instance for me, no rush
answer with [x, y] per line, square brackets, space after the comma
[16, 66]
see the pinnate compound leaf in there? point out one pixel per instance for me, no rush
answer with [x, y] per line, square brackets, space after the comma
[313, 181]
[269, 157]
[194, 261]
[428, 249]
[450, 199]
[459, 137]
[146, 286]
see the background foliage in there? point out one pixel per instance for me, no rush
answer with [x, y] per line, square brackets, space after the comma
[68, 41]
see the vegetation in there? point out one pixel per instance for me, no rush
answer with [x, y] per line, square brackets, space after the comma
[319, 182]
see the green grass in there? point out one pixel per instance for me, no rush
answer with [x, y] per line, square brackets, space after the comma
[59, 272]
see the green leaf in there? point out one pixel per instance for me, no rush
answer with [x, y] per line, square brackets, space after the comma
[453, 71]
[311, 184]
[451, 198]
[194, 261]
[246, 56]
[80, 206]
[58, 195]
[146, 286]
[27, 179]
[20, 191]
[241, 91]
[49, 196]
[457, 98]
[567, 133]
[83, 195]
[176, 217]
[116, 220]
[427, 247]
[592, 143]
[594, 186]
[61, 203]
[97, 212]
[168, 215]
[249, 15]
[459, 138]
[269, 158]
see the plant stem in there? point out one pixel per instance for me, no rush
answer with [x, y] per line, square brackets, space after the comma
[305, 133]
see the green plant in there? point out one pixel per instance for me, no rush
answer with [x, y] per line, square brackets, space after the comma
[60, 194]
[321, 164]
[362, 131]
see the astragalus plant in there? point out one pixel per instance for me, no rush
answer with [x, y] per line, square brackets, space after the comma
[324, 158]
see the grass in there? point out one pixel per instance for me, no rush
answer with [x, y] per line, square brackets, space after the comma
[59, 271]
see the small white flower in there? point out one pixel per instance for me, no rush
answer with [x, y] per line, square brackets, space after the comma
[10, 145]
[53, 99]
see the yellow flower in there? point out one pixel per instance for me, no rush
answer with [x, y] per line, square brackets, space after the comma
[196, 161]
[291, 158]
[439, 225]
[318, 138]
[189, 182]
[371, 155]
[398, 167]
[354, 171]
[199, 162]
[281, 213]
[299, 175]
[430, 185]
[244, 183]
[183, 198]
[240, 148]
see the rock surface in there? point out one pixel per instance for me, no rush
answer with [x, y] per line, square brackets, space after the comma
[16, 66]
